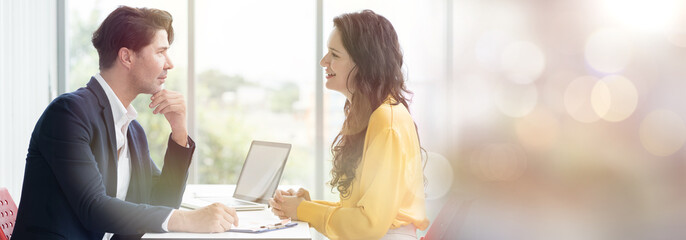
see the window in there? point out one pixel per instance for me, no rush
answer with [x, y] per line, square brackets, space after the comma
[255, 78]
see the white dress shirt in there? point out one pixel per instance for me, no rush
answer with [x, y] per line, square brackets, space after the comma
[122, 118]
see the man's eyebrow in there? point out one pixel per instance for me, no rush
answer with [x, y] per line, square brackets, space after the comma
[162, 48]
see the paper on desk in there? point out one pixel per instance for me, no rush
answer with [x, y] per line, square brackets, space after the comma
[254, 225]
[252, 218]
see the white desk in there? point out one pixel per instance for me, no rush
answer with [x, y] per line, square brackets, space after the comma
[301, 231]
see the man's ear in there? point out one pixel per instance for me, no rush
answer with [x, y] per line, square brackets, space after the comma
[125, 57]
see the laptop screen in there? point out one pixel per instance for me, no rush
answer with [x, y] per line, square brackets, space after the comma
[261, 171]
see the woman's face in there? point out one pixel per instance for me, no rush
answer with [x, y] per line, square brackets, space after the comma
[338, 65]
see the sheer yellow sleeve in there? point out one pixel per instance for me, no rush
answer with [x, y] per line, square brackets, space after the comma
[327, 203]
[382, 187]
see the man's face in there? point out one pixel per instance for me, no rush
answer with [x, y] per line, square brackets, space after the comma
[151, 64]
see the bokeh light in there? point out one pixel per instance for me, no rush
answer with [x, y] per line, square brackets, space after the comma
[614, 98]
[608, 50]
[439, 176]
[516, 100]
[577, 99]
[522, 62]
[662, 132]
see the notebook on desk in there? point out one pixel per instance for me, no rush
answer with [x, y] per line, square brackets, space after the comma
[257, 181]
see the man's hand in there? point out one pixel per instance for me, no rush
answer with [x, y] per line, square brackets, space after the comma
[173, 106]
[216, 217]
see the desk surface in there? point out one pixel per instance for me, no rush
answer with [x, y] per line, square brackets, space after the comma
[301, 231]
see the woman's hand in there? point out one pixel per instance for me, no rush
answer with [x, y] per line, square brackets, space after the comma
[285, 203]
[302, 193]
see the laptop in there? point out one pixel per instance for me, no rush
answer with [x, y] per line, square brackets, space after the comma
[257, 181]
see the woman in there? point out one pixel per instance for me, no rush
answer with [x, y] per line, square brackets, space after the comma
[377, 160]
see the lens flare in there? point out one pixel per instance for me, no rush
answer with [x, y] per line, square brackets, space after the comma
[614, 98]
[643, 15]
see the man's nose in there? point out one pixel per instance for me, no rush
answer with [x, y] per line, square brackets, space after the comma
[168, 64]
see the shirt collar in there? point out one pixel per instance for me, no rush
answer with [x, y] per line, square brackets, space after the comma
[119, 112]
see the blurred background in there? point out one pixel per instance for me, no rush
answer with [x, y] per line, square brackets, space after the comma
[542, 119]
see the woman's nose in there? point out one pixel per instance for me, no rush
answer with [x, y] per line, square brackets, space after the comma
[324, 62]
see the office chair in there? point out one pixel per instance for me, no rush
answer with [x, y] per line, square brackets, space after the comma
[8, 214]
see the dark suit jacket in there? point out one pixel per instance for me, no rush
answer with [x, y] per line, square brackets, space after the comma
[70, 180]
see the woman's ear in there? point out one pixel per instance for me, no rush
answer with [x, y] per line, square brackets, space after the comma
[125, 57]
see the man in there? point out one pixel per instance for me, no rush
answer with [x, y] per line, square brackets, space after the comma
[88, 170]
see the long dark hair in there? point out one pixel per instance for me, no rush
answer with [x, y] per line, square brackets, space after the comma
[372, 43]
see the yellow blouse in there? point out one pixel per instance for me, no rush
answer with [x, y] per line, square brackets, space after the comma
[388, 190]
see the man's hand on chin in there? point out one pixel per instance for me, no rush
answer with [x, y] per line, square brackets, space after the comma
[173, 105]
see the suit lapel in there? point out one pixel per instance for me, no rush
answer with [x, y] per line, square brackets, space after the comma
[111, 181]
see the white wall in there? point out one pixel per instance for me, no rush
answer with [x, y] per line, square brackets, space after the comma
[27, 79]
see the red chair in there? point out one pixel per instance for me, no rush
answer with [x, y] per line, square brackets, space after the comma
[8, 214]
[448, 222]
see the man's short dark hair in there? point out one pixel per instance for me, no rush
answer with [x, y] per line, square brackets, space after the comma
[129, 27]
